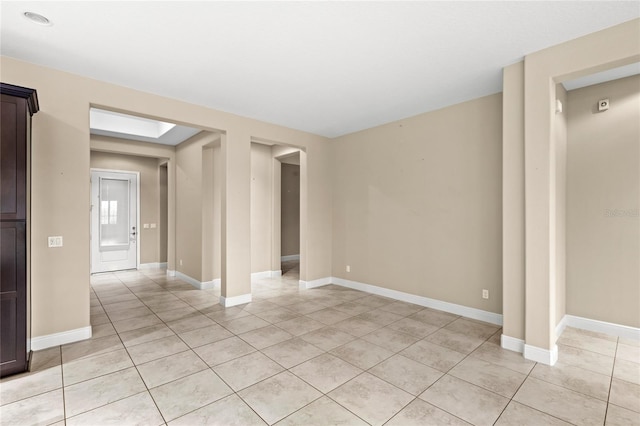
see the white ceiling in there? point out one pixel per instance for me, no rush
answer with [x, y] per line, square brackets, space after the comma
[329, 68]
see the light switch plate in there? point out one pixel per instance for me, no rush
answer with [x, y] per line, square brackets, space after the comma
[153, 226]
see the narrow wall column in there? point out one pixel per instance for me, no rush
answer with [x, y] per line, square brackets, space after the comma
[236, 220]
[513, 222]
[171, 216]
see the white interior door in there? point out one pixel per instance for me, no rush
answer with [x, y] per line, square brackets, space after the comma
[114, 221]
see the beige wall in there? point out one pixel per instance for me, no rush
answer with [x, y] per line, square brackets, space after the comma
[603, 253]
[60, 187]
[149, 239]
[290, 209]
[417, 204]
[560, 133]
[513, 221]
[610, 48]
[261, 207]
[194, 206]
[163, 200]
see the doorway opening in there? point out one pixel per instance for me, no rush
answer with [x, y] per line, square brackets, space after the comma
[290, 215]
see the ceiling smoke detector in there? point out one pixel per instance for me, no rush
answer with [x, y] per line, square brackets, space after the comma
[37, 18]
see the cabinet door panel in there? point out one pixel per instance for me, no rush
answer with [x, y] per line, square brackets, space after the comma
[13, 298]
[13, 158]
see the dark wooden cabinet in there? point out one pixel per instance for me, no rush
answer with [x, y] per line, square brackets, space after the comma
[18, 105]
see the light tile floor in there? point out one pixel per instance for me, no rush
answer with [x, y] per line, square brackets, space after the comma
[163, 352]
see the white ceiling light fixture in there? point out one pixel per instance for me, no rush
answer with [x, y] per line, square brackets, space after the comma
[36, 18]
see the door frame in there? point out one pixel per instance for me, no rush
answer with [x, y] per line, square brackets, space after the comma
[138, 231]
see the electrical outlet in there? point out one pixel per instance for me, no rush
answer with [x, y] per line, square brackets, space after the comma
[145, 226]
[348, 268]
[55, 241]
[153, 226]
[485, 293]
[180, 262]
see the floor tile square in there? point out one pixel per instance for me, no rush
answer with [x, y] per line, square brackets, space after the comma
[371, 398]
[87, 348]
[466, 401]
[193, 322]
[277, 397]
[434, 317]
[300, 325]
[562, 403]
[618, 416]
[244, 324]
[134, 323]
[167, 369]
[247, 370]
[98, 365]
[322, 412]
[356, 326]
[278, 314]
[228, 411]
[421, 413]
[265, 337]
[202, 336]
[414, 327]
[223, 350]
[407, 374]
[42, 409]
[456, 341]
[189, 393]
[327, 338]
[361, 353]
[160, 348]
[329, 316]
[326, 372]
[147, 334]
[135, 410]
[21, 386]
[90, 394]
[433, 355]
[574, 378]
[292, 352]
[493, 353]
[625, 394]
[500, 380]
[390, 339]
[518, 414]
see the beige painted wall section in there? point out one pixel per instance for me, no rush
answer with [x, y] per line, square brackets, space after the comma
[191, 191]
[418, 204]
[603, 254]
[61, 146]
[615, 46]
[149, 239]
[163, 208]
[560, 130]
[261, 207]
[290, 209]
[513, 284]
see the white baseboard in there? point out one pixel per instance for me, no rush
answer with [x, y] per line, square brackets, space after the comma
[543, 356]
[453, 308]
[289, 257]
[152, 265]
[171, 273]
[227, 302]
[597, 326]
[200, 285]
[305, 285]
[62, 338]
[512, 343]
[265, 274]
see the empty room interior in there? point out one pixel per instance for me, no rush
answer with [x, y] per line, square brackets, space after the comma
[320, 213]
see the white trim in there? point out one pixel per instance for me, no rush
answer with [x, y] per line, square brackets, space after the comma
[543, 356]
[599, 326]
[265, 274]
[305, 285]
[152, 265]
[62, 338]
[235, 300]
[512, 343]
[289, 257]
[561, 326]
[453, 308]
[171, 273]
[200, 285]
